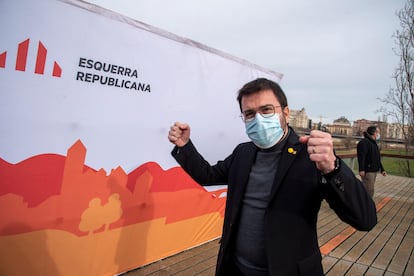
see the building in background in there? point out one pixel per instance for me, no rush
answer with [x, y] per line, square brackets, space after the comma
[340, 126]
[396, 131]
[299, 120]
[360, 126]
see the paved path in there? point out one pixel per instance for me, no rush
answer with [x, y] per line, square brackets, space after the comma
[388, 249]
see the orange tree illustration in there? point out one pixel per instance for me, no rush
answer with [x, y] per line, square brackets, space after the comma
[96, 215]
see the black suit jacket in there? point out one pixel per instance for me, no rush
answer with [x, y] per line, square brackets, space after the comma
[369, 157]
[291, 217]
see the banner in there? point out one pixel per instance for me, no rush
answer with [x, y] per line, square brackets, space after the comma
[87, 182]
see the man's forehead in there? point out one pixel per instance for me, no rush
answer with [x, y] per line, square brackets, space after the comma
[263, 97]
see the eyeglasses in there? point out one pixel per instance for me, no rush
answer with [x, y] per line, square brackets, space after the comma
[266, 111]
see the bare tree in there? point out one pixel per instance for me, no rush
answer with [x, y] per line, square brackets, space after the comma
[399, 102]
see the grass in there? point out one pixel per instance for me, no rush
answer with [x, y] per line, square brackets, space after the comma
[394, 166]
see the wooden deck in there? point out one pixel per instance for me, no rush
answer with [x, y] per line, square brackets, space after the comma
[388, 249]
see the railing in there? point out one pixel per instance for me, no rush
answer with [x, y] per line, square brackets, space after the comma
[409, 157]
[351, 158]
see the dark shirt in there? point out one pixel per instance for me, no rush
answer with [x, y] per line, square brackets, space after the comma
[250, 255]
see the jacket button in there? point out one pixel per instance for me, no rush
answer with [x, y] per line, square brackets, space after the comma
[339, 184]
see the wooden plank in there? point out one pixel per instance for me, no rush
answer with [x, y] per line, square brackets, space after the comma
[192, 263]
[374, 250]
[201, 267]
[340, 268]
[328, 262]
[347, 245]
[357, 269]
[337, 229]
[372, 271]
[347, 232]
[383, 237]
[165, 264]
[208, 272]
[409, 270]
[405, 250]
[363, 246]
[388, 273]
[337, 240]
[383, 202]
[389, 249]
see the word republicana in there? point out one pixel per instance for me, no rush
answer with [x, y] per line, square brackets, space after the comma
[110, 81]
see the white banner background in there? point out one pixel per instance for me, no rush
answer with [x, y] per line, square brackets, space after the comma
[119, 127]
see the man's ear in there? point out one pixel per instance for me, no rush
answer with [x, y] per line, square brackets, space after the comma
[286, 112]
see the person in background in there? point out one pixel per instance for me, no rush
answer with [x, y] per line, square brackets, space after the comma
[369, 158]
[276, 184]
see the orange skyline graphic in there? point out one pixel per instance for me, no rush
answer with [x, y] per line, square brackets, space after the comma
[62, 217]
[53, 192]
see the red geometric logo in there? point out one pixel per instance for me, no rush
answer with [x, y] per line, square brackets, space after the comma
[21, 59]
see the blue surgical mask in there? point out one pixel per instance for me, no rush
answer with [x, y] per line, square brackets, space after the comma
[378, 137]
[265, 132]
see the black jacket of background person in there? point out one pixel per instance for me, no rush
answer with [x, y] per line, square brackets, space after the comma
[291, 217]
[369, 158]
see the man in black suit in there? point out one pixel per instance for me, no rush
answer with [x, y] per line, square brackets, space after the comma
[276, 184]
[369, 158]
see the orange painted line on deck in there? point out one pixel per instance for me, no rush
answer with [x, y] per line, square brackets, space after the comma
[337, 240]
[345, 234]
[383, 202]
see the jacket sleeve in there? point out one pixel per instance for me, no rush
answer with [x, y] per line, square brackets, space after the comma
[347, 196]
[382, 167]
[361, 154]
[198, 168]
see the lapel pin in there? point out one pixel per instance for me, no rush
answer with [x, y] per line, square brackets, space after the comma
[291, 151]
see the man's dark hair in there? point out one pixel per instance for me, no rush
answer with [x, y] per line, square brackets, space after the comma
[261, 84]
[371, 130]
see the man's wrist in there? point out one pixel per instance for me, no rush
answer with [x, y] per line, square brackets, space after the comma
[337, 165]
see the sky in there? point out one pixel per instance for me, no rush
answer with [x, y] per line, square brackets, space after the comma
[337, 57]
